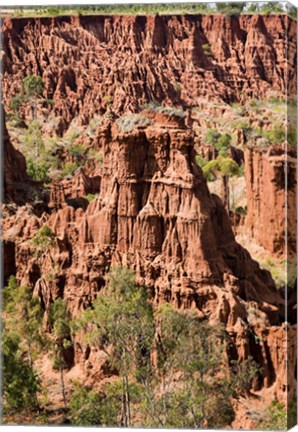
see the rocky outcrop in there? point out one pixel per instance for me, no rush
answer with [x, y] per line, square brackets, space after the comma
[271, 197]
[155, 214]
[65, 192]
[14, 169]
[153, 211]
[99, 62]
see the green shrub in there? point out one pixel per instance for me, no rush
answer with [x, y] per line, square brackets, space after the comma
[34, 139]
[151, 106]
[241, 210]
[38, 170]
[129, 122]
[73, 136]
[207, 50]
[85, 407]
[200, 161]
[69, 169]
[99, 157]
[277, 134]
[76, 150]
[242, 124]
[90, 197]
[276, 417]
[15, 102]
[50, 101]
[223, 143]
[171, 112]
[44, 238]
[212, 136]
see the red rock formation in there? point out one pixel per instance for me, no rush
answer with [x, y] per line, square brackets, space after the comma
[271, 197]
[64, 192]
[14, 165]
[155, 214]
[137, 59]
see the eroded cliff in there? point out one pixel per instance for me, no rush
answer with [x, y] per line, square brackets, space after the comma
[128, 61]
[151, 209]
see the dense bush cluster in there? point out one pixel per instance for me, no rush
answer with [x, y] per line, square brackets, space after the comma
[163, 8]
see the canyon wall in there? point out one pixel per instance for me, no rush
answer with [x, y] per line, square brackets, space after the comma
[153, 211]
[96, 61]
[14, 168]
[271, 197]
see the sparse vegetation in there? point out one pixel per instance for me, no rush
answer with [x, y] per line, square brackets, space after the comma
[69, 169]
[44, 239]
[225, 167]
[171, 112]
[185, 383]
[99, 157]
[151, 106]
[33, 87]
[34, 139]
[276, 417]
[207, 50]
[38, 170]
[60, 320]
[90, 197]
[20, 344]
[241, 210]
[76, 150]
[200, 161]
[129, 122]
[85, 407]
[73, 136]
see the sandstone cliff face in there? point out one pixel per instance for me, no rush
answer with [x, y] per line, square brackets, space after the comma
[14, 169]
[271, 196]
[153, 211]
[73, 191]
[126, 61]
[155, 214]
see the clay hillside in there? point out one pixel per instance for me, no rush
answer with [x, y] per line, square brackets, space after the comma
[157, 154]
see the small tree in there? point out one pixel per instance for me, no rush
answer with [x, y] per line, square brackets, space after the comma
[14, 106]
[121, 323]
[212, 136]
[34, 139]
[190, 361]
[23, 318]
[252, 7]
[33, 87]
[20, 384]
[225, 167]
[85, 407]
[44, 241]
[60, 320]
[223, 144]
[243, 374]
[230, 7]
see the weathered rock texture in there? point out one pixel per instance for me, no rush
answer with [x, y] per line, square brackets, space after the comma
[155, 214]
[271, 197]
[69, 191]
[171, 59]
[14, 168]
